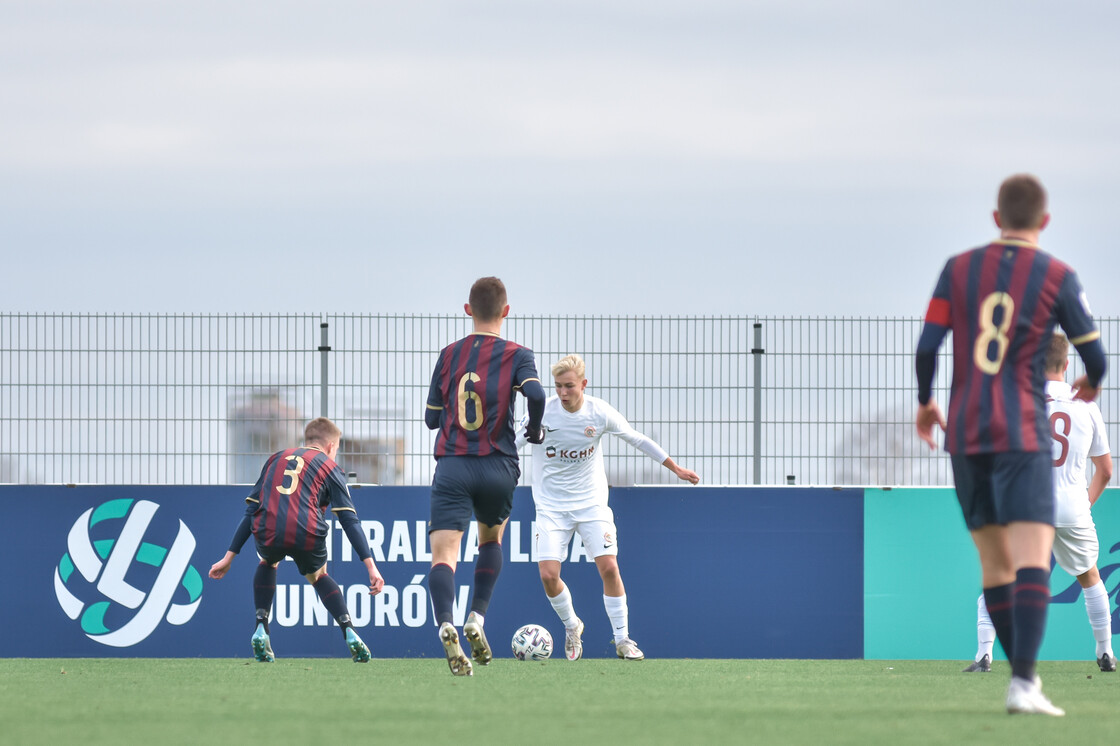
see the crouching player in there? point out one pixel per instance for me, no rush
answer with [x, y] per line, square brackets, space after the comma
[286, 513]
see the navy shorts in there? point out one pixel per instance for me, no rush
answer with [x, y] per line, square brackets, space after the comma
[307, 560]
[479, 484]
[998, 488]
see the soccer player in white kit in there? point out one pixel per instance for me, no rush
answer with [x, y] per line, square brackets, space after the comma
[1078, 435]
[570, 493]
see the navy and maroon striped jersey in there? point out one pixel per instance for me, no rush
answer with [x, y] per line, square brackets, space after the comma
[291, 496]
[1002, 302]
[473, 388]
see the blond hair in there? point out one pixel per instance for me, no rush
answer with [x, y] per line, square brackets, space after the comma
[572, 363]
[321, 431]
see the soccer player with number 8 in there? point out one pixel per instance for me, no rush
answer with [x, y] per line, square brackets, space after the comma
[1002, 302]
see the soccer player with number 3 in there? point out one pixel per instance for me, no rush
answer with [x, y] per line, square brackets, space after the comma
[471, 404]
[286, 514]
[1002, 302]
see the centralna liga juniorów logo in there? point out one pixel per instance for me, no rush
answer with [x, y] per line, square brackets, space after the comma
[105, 545]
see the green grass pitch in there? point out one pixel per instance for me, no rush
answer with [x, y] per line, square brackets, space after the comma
[417, 701]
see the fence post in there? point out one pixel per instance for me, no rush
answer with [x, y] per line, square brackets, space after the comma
[324, 348]
[757, 351]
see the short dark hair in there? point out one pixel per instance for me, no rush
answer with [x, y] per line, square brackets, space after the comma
[1021, 203]
[321, 430]
[487, 298]
[1057, 352]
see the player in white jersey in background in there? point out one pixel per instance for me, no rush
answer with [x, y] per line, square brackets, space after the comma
[1079, 435]
[570, 492]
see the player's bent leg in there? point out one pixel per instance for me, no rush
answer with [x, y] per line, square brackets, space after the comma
[459, 664]
[607, 565]
[264, 591]
[550, 577]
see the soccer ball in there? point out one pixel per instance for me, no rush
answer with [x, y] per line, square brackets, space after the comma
[532, 643]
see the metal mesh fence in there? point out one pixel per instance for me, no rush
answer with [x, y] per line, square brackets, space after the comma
[203, 399]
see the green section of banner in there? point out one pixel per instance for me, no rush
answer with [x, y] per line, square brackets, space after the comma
[922, 580]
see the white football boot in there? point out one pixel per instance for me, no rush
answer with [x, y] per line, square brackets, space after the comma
[480, 648]
[573, 641]
[1025, 696]
[628, 650]
[459, 664]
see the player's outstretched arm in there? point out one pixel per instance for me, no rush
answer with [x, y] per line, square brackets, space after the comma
[221, 567]
[240, 536]
[929, 414]
[686, 474]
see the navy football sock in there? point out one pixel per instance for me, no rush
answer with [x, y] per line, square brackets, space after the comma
[441, 589]
[487, 568]
[331, 596]
[264, 589]
[1031, 603]
[998, 601]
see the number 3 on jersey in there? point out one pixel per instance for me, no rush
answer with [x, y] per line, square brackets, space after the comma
[990, 332]
[465, 396]
[293, 472]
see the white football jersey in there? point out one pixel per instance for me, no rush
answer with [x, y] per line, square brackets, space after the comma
[1078, 433]
[568, 470]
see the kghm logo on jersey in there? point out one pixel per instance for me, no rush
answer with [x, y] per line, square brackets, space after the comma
[105, 546]
[550, 451]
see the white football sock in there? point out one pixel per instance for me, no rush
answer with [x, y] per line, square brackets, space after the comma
[985, 630]
[1096, 606]
[562, 605]
[619, 616]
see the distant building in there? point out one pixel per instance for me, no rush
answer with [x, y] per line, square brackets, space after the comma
[260, 424]
[264, 422]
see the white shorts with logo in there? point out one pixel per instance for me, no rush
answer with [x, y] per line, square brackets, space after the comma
[556, 528]
[1076, 548]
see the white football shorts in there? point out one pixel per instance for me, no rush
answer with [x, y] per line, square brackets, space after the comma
[1076, 548]
[556, 528]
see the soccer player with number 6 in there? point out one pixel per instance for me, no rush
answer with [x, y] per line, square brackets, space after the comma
[1002, 302]
[471, 404]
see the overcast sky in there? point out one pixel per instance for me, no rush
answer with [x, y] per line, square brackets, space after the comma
[699, 157]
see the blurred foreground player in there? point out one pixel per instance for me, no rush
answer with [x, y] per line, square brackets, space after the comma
[1002, 301]
[1079, 436]
[471, 404]
[286, 513]
[570, 493]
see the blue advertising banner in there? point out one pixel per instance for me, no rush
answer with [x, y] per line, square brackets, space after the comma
[96, 571]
